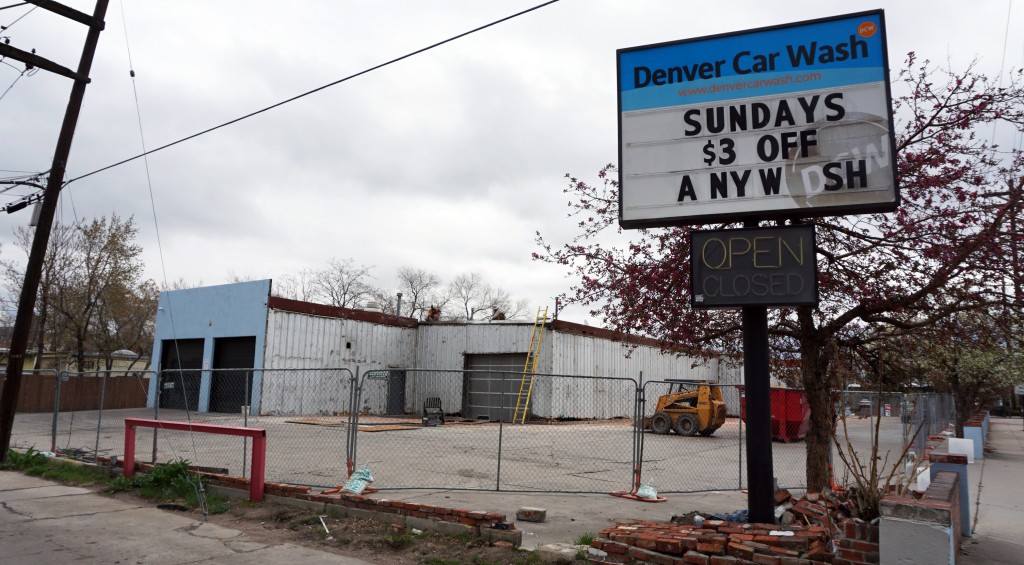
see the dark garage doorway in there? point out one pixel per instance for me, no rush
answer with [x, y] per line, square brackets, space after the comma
[482, 384]
[231, 387]
[181, 362]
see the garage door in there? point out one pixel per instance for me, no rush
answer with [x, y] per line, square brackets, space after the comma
[181, 361]
[486, 377]
[230, 390]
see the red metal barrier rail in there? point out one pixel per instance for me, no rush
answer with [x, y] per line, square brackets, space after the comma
[259, 446]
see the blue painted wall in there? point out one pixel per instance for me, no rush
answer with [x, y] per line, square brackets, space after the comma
[207, 313]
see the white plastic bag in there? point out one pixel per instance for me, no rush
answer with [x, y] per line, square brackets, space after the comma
[647, 490]
[357, 483]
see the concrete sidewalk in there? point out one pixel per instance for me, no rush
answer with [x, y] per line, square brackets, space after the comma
[44, 522]
[997, 498]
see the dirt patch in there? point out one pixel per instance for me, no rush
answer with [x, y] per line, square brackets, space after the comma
[369, 540]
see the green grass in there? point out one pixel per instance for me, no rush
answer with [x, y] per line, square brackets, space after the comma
[171, 482]
[398, 541]
[36, 464]
[585, 539]
[527, 558]
[440, 561]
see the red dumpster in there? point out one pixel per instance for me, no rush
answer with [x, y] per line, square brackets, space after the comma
[791, 415]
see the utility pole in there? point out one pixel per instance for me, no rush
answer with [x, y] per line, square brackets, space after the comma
[37, 255]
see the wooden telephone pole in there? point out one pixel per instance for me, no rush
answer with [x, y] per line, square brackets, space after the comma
[37, 255]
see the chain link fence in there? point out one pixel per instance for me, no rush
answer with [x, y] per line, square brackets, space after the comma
[453, 429]
[896, 420]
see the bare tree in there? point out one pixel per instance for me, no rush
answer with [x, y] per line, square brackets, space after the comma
[420, 289]
[343, 283]
[500, 301]
[234, 277]
[477, 299]
[181, 284]
[58, 259]
[296, 287]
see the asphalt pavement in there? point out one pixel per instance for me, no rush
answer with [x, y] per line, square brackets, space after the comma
[45, 522]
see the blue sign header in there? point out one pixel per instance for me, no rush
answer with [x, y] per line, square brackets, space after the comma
[818, 55]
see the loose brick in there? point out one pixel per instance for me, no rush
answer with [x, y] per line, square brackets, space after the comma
[711, 548]
[740, 550]
[765, 559]
[669, 545]
[531, 514]
[646, 541]
[615, 548]
[696, 558]
[864, 546]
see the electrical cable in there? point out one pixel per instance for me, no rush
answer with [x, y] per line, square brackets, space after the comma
[1002, 61]
[196, 483]
[315, 90]
[10, 25]
[21, 74]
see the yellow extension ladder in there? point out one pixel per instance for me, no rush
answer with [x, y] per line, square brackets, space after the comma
[530, 368]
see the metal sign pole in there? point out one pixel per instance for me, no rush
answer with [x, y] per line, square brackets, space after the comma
[760, 471]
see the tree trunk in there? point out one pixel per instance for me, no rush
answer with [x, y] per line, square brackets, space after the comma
[814, 372]
[80, 352]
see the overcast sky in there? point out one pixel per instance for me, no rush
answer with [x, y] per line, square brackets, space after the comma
[447, 161]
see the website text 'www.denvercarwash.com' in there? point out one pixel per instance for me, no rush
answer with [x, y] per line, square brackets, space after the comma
[750, 84]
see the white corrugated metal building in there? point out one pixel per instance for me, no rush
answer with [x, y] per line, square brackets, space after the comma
[467, 365]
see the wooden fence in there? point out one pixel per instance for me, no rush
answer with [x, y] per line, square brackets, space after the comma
[82, 392]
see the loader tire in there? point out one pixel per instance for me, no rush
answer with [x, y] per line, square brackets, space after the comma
[686, 425]
[661, 423]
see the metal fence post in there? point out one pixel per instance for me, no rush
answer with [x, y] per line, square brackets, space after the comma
[99, 417]
[739, 445]
[501, 429]
[156, 412]
[639, 405]
[353, 438]
[56, 413]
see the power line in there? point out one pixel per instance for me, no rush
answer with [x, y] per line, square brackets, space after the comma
[21, 74]
[315, 90]
[10, 25]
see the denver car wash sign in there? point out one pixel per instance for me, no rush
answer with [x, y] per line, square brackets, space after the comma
[764, 267]
[776, 122]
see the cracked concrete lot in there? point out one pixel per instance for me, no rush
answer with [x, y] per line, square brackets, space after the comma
[45, 523]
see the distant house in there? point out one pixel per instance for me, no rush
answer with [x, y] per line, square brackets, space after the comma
[124, 361]
[203, 333]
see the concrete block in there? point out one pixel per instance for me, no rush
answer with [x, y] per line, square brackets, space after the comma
[446, 528]
[961, 446]
[559, 552]
[530, 514]
[905, 541]
[924, 478]
[976, 434]
[316, 507]
[490, 534]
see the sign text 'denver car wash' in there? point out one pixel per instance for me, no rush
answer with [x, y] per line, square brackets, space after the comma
[778, 122]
